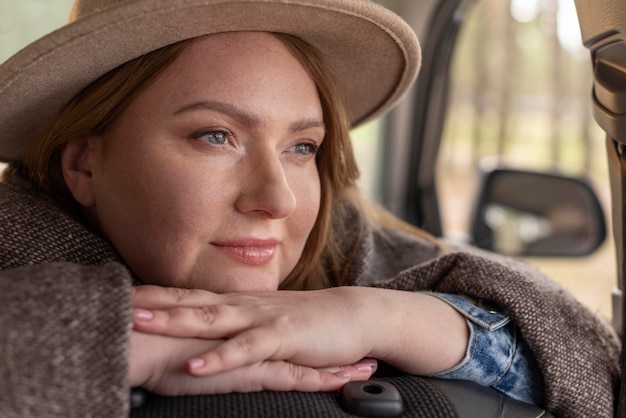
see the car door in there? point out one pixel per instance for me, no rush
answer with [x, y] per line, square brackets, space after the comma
[496, 145]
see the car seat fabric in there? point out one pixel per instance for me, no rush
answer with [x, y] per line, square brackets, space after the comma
[422, 398]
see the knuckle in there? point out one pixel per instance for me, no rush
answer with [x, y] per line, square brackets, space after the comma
[178, 294]
[244, 344]
[294, 373]
[209, 314]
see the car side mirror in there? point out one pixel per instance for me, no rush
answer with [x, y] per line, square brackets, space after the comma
[526, 213]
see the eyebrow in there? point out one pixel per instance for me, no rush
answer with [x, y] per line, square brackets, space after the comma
[247, 119]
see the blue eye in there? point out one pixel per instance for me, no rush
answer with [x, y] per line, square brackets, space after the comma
[215, 137]
[306, 149]
[212, 136]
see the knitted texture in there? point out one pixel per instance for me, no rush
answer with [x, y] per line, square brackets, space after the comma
[64, 327]
[34, 230]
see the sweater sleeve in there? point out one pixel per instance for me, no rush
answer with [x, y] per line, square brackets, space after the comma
[64, 332]
[576, 350]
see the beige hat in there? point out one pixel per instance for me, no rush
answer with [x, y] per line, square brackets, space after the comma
[375, 53]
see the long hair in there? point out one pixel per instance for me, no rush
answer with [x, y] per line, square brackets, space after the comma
[326, 255]
[338, 173]
[326, 259]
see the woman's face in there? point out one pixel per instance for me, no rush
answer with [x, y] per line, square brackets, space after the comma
[208, 179]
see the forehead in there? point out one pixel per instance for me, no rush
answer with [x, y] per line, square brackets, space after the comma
[253, 71]
[238, 57]
[239, 40]
[241, 48]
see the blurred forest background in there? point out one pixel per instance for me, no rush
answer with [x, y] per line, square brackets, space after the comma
[521, 94]
[23, 21]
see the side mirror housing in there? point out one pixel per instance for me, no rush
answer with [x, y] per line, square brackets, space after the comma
[537, 214]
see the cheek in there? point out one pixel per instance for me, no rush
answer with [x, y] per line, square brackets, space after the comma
[310, 210]
[308, 195]
[139, 205]
[308, 198]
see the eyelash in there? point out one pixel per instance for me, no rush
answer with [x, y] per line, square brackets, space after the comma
[312, 148]
[224, 135]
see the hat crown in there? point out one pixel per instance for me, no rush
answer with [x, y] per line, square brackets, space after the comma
[83, 8]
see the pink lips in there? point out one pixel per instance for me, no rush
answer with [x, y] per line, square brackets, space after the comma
[249, 251]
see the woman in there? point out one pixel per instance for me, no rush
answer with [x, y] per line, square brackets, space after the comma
[209, 159]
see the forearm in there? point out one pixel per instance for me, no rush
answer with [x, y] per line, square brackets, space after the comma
[415, 332]
[435, 340]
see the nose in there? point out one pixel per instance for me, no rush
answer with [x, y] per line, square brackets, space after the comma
[265, 189]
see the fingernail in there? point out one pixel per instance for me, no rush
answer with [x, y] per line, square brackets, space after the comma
[366, 365]
[143, 314]
[196, 363]
[342, 374]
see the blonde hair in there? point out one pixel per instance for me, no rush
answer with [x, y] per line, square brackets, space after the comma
[325, 259]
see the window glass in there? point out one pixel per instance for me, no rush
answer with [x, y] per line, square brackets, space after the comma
[23, 21]
[365, 140]
[520, 95]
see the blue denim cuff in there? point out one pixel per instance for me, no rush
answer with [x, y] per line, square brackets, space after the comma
[496, 354]
[485, 314]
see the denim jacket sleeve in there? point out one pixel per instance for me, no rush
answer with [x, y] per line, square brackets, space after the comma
[497, 356]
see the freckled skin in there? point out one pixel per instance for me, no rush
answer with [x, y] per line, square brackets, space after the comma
[166, 192]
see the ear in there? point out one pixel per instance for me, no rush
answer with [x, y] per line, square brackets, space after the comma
[77, 171]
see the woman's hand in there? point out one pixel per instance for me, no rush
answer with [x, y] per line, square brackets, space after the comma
[315, 328]
[157, 363]
[414, 332]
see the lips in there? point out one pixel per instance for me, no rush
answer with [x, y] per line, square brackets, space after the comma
[249, 251]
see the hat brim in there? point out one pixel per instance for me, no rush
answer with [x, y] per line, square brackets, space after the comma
[374, 52]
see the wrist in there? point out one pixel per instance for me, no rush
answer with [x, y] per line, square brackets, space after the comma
[138, 369]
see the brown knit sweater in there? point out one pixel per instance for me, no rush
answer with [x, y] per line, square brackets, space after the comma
[66, 312]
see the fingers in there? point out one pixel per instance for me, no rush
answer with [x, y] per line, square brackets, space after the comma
[365, 365]
[253, 329]
[249, 337]
[267, 375]
[285, 376]
[296, 377]
[158, 364]
[252, 347]
[158, 297]
[246, 348]
[246, 344]
[207, 321]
